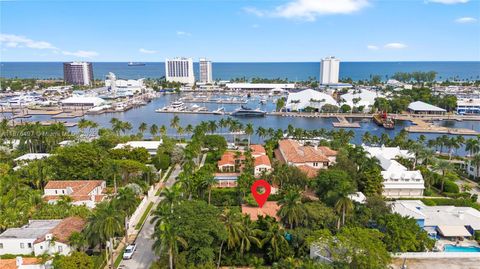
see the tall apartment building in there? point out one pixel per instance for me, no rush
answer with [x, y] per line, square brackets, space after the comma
[78, 73]
[329, 70]
[179, 70]
[205, 70]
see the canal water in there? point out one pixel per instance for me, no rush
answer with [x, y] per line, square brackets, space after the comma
[148, 115]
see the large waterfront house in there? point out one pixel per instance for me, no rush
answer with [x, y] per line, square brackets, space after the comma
[40, 237]
[231, 165]
[445, 221]
[82, 192]
[309, 159]
[150, 146]
[398, 181]
[309, 98]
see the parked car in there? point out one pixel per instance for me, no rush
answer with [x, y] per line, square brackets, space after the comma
[128, 253]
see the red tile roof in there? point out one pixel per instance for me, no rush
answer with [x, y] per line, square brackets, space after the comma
[257, 149]
[269, 209]
[308, 170]
[262, 160]
[65, 228]
[12, 263]
[228, 158]
[293, 152]
[81, 189]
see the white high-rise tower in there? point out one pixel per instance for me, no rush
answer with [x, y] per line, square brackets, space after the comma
[205, 70]
[180, 70]
[329, 70]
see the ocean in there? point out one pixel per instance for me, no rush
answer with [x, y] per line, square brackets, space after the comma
[225, 71]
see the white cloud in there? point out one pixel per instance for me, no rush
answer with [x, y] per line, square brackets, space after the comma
[142, 50]
[372, 47]
[183, 33]
[395, 46]
[254, 11]
[81, 53]
[16, 41]
[466, 20]
[309, 10]
[448, 2]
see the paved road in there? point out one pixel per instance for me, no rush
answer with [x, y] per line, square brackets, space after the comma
[144, 255]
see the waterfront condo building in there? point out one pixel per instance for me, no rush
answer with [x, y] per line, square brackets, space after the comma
[78, 73]
[329, 70]
[205, 71]
[179, 70]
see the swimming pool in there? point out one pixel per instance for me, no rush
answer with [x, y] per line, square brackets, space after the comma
[452, 248]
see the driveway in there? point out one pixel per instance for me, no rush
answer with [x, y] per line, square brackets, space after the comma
[144, 255]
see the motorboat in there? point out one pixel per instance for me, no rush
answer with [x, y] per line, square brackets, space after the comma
[244, 111]
[219, 111]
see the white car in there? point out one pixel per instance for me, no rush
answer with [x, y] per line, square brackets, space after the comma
[128, 253]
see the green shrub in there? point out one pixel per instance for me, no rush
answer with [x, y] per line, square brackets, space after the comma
[429, 202]
[450, 187]
[428, 192]
[225, 197]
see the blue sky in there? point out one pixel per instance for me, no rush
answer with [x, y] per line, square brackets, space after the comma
[241, 30]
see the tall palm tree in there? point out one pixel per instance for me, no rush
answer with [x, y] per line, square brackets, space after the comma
[367, 138]
[104, 224]
[153, 130]
[472, 146]
[212, 126]
[167, 241]
[249, 235]
[343, 206]
[249, 131]
[292, 210]
[163, 130]
[142, 128]
[175, 122]
[444, 167]
[232, 222]
[475, 162]
[274, 237]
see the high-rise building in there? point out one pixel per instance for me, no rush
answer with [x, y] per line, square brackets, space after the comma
[205, 70]
[329, 70]
[78, 73]
[180, 70]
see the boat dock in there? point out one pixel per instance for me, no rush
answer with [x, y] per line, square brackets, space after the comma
[344, 123]
[191, 112]
[424, 127]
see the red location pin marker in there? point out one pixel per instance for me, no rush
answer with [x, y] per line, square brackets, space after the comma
[261, 198]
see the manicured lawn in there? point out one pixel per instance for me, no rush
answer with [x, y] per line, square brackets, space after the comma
[144, 216]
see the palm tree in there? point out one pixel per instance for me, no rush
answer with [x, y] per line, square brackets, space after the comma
[367, 138]
[142, 128]
[475, 162]
[274, 236]
[292, 210]
[104, 224]
[444, 167]
[168, 241]
[343, 206]
[163, 130]
[232, 222]
[153, 130]
[126, 200]
[189, 129]
[248, 235]
[472, 146]
[249, 131]
[82, 125]
[175, 122]
[212, 126]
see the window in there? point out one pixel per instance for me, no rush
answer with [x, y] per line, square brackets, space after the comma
[29, 245]
[1, 245]
[22, 245]
[315, 164]
[60, 248]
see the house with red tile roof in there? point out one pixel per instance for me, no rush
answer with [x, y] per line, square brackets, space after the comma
[24, 263]
[232, 162]
[270, 208]
[309, 159]
[82, 192]
[41, 237]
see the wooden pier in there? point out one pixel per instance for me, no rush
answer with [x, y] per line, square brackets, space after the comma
[424, 127]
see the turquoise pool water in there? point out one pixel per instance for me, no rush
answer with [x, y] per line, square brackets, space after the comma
[452, 248]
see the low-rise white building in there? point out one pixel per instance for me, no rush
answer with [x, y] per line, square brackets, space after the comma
[308, 98]
[150, 146]
[447, 221]
[40, 237]
[468, 106]
[26, 158]
[82, 101]
[82, 192]
[420, 107]
[360, 98]
[398, 181]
